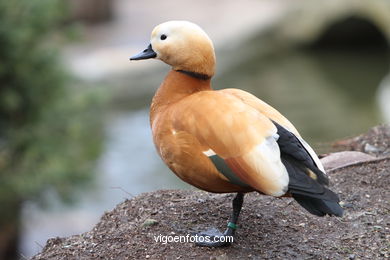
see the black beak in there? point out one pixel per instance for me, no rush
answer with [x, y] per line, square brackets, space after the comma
[148, 53]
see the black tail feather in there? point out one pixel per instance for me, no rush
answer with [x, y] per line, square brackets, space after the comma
[311, 194]
[319, 207]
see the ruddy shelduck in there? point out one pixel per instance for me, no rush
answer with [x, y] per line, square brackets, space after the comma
[227, 140]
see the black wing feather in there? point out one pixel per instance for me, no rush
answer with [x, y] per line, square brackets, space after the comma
[312, 194]
[290, 145]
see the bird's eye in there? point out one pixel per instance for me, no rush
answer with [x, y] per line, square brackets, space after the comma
[163, 37]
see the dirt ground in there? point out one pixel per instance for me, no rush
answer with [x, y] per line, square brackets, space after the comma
[269, 228]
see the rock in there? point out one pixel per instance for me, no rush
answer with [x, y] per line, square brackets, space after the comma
[149, 222]
[342, 159]
[368, 148]
[375, 142]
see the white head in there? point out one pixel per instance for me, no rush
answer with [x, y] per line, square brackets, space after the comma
[183, 45]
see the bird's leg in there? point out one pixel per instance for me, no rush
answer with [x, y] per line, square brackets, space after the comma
[214, 237]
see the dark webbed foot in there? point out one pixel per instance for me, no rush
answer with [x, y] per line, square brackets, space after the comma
[215, 238]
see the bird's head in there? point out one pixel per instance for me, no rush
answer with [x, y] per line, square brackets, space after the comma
[183, 45]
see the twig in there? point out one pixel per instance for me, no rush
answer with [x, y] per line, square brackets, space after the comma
[120, 188]
[41, 246]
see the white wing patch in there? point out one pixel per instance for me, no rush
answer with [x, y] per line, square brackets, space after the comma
[209, 153]
[264, 160]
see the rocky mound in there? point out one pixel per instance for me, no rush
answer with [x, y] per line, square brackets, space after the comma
[269, 228]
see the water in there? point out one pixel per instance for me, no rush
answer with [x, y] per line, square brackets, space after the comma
[327, 95]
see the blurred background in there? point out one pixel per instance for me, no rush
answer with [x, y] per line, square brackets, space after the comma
[74, 131]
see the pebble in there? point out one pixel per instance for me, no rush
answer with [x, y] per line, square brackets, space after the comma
[368, 148]
[149, 222]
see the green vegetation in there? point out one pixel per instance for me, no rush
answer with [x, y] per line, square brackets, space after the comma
[49, 130]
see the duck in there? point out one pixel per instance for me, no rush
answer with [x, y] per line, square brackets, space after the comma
[227, 140]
